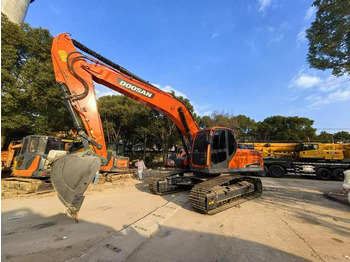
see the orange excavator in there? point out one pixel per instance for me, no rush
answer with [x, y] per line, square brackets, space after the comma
[210, 152]
[116, 162]
[8, 157]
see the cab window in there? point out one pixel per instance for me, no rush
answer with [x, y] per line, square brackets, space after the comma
[33, 145]
[219, 152]
[53, 144]
[201, 142]
[37, 145]
[120, 149]
[200, 148]
[231, 143]
[24, 146]
[309, 147]
[110, 148]
[219, 140]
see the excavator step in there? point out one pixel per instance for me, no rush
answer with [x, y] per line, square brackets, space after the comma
[223, 192]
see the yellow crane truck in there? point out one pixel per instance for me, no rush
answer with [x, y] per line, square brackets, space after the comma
[324, 160]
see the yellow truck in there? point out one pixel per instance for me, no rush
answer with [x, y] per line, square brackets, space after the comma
[324, 160]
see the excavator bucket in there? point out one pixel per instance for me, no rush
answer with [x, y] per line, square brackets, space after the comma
[71, 175]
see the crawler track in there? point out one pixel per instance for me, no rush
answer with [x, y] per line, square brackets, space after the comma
[223, 192]
[25, 185]
[160, 184]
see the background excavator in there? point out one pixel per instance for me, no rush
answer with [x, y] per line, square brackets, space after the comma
[28, 162]
[8, 157]
[116, 162]
[210, 152]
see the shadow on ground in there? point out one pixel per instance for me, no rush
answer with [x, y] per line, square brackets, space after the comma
[59, 238]
[280, 193]
[27, 236]
[308, 207]
[303, 203]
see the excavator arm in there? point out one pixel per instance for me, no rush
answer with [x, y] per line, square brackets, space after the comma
[76, 71]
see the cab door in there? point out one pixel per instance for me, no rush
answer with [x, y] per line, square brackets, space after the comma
[32, 147]
[219, 149]
[200, 149]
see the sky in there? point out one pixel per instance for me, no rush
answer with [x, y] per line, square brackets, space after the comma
[238, 57]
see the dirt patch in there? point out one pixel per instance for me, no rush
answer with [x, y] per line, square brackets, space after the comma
[122, 184]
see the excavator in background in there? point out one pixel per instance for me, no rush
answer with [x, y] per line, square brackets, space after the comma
[116, 162]
[324, 160]
[26, 165]
[8, 157]
[31, 166]
[210, 152]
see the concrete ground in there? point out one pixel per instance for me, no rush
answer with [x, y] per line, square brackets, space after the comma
[292, 220]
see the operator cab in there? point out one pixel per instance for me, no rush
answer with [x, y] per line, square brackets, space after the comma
[213, 148]
[115, 159]
[307, 147]
[35, 149]
[116, 148]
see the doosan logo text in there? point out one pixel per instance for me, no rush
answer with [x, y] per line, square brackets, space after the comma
[134, 88]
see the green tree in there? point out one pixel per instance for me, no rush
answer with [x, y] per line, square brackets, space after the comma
[165, 131]
[139, 125]
[124, 118]
[31, 102]
[286, 129]
[325, 137]
[246, 128]
[329, 37]
[342, 136]
[219, 119]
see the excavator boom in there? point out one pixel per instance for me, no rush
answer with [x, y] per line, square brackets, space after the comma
[210, 152]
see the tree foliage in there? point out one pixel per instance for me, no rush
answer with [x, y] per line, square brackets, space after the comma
[271, 129]
[329, 37]
[31, 102]
[342, 136]
[286, 128]
[138, 125]
[325, 137]
[124, 118]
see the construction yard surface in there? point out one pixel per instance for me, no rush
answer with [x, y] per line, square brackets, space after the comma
[123, 221]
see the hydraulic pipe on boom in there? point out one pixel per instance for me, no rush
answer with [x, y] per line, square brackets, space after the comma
[211, 152]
